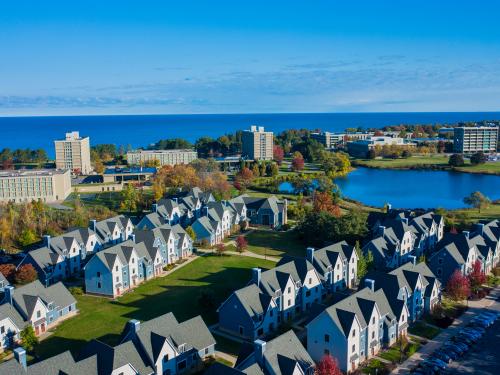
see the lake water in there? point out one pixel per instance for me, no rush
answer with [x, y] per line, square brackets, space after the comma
[40, 132]
[414, 188]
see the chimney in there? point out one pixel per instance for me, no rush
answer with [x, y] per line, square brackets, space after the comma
[381, 230]
[93, 224]
[259, 350]
[132, 237]
[413, 259]
[256, 274]
[46, 240]
[389, 207]
[134, 326]
[479, 228]
[176, 200]
[370, 283]
[20, 355]
[466, 233]
[9, 293]
[154, 207]
[310, 254]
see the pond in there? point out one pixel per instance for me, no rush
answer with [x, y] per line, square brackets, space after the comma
[413, 188]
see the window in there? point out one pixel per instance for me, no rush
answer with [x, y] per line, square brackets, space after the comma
[241, 330]
[38, 314]
[271, 312]
[373, 320]
[117, 278]
[327, 338]
[327, 352]
[289, 289]
[353, 332]
[99, 285]
[165, 358]
[354, 347]
[98, 274]
[289, 302]
[116, 268]
[182, 365]
[2, 330]
[373, 335]
[310, 280]
[133, 260]
[206, 351]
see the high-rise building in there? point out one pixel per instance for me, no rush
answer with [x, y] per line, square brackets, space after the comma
[472, 139]
[73, 153]
[164, 157]
[46, 185]
[257, 144]
[329, 140]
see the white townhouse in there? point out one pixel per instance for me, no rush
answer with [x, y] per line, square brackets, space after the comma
[113, 230]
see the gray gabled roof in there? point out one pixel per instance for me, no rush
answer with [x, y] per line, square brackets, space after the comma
[12, 367]
[326, 257]
[193, 333]
[105, 228]
[45, 257]
[253, 300]
[26, 296]
[63, 363]
[8, 311]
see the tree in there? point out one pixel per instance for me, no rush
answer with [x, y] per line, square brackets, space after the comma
[456, 160]
[25, 274]
[297, 162]
[402, 343]
[371, 154]
[8, 271]
[278, 154]
[220, 249]
[158, 189]
[130, 198]
[27, 237]
[323, 202]
[476, 277]
[244, 179]
[328, 366]
[241, 244]
[477, 200]
[458, 286]
[28, 338]
[191, 233]
[478, 158]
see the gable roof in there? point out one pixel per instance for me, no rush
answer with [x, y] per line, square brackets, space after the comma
[8, 311]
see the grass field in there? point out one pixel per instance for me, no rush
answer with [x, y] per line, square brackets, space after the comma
[431, 160]
[423, 330]
[178, 292]
[472, 214]
[275, 244]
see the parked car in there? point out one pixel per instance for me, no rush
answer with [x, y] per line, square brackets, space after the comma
[479, 323]
[429, 368]
[472, 332]
[458, 346]
[441, 364]
[442, 356]
[481, 330]
[463, 339]
[453, 354]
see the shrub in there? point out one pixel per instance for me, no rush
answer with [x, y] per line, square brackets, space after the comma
[76, 290]
[456, 160]
[25, 274]
[478, 158]
[28, 338]
[8, 270]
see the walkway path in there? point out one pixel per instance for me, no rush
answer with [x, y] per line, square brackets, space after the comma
[245, 254]
[475, 307]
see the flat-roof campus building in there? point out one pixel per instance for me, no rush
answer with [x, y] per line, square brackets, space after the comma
[164, 157]
[73, 153]
[257, 144]
[46, 185]
[472, 139]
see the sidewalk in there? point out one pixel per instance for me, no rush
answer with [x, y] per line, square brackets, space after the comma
[244, 254]
[475, 307]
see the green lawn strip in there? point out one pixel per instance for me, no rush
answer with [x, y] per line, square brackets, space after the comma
[275, 244]
[392, 354]
[489, 213]
[374, 366]
[104, 319]
[404, 162]
[424, 330]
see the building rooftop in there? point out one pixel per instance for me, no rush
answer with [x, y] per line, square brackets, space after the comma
[132, 170]
[161, 151]
[31, 172]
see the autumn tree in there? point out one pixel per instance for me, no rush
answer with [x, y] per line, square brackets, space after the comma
[297, 162]
[130, 198]
[278, 154]
[477, 200]
[158, 189]
[220, 249]
[328, 366]
[244, 179]
[241, 244]
[458, 286]
[25, 274]
[8, 270]
[476, 277]
[323, 202]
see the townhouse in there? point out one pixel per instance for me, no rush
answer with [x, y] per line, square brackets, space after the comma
[115, 270]
[11, 324]
[157, 347]
[41, 307]
[270, 212]
[356, 328]
[399, 234]
[113, 230]
[271, 298]
[208, 232]
[461, 250]
[284, 355]
[336, 264]
[414, 284]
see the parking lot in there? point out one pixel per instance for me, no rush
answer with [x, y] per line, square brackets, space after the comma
[483, 358]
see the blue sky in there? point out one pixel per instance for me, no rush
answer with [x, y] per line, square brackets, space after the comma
[120, 57]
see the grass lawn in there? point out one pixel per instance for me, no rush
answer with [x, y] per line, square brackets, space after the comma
[423, 330]
[374, 366]
[472, 214]
[178, 292]
[392, 354]
[276, 244]
[434, 160]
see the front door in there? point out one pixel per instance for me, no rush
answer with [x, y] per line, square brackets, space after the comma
[37, 330]
[266, 220]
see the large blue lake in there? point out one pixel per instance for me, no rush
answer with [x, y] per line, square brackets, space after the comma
[415, 188]
[40, 132]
